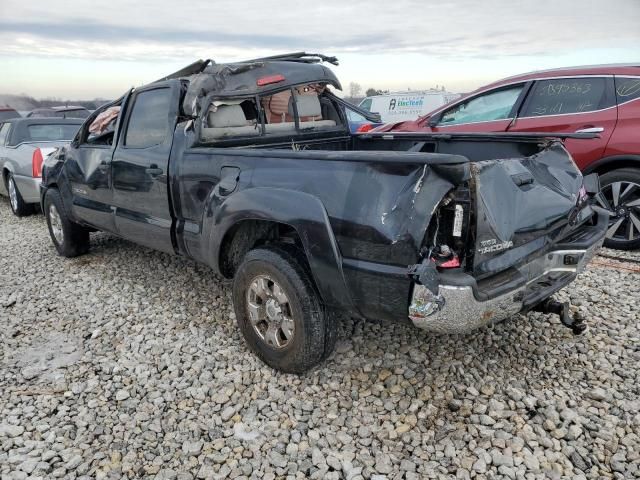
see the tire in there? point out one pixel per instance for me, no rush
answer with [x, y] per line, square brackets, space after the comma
[69, 238]
[18, 205]
[305, 333]
[625, 219]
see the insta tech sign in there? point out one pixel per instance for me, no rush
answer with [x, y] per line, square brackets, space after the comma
[405, 103]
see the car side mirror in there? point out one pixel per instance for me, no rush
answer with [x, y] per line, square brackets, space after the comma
[434, 120]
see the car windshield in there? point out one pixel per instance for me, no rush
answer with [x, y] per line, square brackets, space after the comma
[53, 132]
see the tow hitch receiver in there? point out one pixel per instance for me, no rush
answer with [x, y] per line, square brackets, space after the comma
[575, 321]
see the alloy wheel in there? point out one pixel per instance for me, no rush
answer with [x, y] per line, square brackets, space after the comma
[270, 312]
[13, 194]
[56, 224]
[622, 200]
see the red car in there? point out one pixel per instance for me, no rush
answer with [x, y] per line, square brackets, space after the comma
[602, 99]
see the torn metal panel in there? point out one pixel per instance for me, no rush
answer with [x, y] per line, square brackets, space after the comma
[522, 206]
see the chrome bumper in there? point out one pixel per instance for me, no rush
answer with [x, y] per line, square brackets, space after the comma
[456, 310]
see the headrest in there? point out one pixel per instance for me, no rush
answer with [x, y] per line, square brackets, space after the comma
[308, 106]
[227, 116]
[279, 102]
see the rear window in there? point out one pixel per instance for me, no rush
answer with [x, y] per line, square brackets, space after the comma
[53, 132]
[565, 96]
[81, 113]
[627, 89]
[7, 114]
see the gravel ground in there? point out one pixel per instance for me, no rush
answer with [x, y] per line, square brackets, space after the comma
[127, 363]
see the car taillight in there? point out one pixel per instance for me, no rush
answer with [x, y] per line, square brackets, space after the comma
[364, 128]
[36, 163]
[261, 82]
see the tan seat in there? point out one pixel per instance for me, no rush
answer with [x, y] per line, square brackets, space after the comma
[276, 107]
[310, 111]
[228, 121]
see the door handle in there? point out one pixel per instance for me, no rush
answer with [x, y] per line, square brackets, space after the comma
[153, 171]
[590, 130]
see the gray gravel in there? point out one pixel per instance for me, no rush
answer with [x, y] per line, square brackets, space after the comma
[127, 363]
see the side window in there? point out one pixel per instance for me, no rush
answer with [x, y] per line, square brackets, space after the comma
[4, 133]
[627, 89]
[102, 128]
[149, 119]
[288, 112]
[566, 96]
[366, 104]
[495, 105]
[230, 119]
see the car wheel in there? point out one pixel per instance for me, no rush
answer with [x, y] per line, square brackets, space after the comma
[69, 238]
[279, 311]
[620, 194]
[18, 205]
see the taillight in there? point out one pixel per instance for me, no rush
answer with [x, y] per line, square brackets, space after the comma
[36, 163]
[364, 128]
[261, 82]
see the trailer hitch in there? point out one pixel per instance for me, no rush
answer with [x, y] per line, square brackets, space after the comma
[575, 322]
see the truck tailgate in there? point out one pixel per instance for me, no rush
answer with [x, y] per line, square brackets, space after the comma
[523, 205]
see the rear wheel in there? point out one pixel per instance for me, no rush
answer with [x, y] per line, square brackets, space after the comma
[69, 238]
[279, 311]
[18, 205]
[620, 194]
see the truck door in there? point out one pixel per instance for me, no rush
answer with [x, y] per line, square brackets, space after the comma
[140, 167]
[568, 105]
[88, 166]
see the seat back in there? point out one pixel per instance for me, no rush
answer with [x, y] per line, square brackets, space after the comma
[228, 121]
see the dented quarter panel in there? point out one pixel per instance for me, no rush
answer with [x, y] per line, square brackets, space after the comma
[374, 207]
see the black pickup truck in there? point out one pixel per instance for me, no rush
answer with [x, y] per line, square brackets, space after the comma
[250, 168]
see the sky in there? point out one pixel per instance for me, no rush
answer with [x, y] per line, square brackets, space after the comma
[84, 50]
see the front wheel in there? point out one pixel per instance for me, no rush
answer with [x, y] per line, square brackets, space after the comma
[620, 194]
[279, 311]
[18, 205]
[69, 238]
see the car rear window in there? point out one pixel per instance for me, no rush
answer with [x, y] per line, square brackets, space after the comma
[565, 96]
[627, 88]
[7, 114]
[53, 132]
[80, 113]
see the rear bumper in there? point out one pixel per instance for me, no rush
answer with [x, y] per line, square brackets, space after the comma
[28, 187]
[458, 309]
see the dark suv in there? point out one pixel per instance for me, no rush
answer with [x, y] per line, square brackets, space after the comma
[602, 99]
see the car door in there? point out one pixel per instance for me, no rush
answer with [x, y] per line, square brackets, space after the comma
[490, 111]
[568, 105]
[140, 163]
[88, 164]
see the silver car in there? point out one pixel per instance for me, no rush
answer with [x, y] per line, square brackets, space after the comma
[24, 144]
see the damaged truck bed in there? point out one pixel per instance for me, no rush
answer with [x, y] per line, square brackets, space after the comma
[250, 168]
